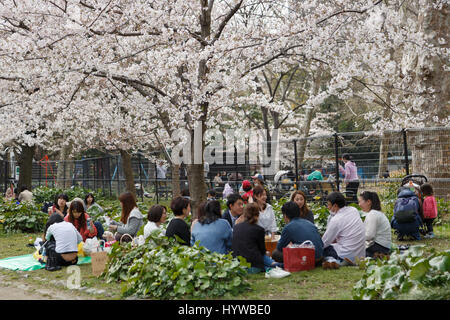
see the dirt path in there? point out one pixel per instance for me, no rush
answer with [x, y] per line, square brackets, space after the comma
[18, 290]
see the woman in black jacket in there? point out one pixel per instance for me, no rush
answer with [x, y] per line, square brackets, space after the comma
[248, 241]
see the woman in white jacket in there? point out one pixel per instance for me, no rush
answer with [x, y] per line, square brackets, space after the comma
[378, 228]
[266, 214]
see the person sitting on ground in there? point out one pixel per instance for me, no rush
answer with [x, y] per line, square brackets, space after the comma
[10, 194]
[213, 232]
[248, 191]
[378, 228]
[316, 174]
[300, 199]
[156, 216]
[248, 241]
[235, 208]
[344, 239]
[65, 238]
[297, 231]
[211, 195]
[407, 220]
[25, 195]
[81, 220]
[267, 216]
[131, 219]
[89, 202]
[181, 208]
[59, 205]
[429, 207]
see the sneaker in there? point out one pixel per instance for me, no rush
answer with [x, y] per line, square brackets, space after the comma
[277, 273]
[430, 235]
[347, 262]
[330, 263]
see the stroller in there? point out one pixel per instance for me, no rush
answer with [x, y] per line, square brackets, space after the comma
[283, 183]
[408, 215]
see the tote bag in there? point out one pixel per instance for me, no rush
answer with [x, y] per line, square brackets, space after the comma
[299, 258]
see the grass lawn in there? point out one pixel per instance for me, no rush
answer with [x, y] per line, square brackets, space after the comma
[317, 284]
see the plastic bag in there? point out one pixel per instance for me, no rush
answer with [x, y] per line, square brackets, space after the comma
[90, 246]
[306, 244]
[80, 249]
[37, 255]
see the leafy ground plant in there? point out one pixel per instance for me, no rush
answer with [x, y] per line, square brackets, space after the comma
[405, 273]
[25, 217]
[164, 269]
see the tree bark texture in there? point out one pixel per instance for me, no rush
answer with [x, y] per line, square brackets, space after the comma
[25, 162]
[128, 172]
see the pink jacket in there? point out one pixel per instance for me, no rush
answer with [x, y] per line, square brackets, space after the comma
[429, 207]
[350, 172]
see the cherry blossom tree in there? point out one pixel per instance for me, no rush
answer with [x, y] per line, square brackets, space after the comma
[134, 67]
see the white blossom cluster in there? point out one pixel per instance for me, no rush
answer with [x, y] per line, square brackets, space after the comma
[113, 74]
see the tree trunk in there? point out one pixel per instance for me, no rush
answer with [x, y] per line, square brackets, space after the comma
[65, 169]
[128, 172]
[303, 141]
[176, 192]
[431, 157]
[25, 162]
[383, 159]
[197, 186]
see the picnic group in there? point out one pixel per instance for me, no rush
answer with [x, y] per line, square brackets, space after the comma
[247, 224]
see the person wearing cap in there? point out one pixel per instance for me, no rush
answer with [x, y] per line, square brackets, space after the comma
[247, 187]
[258, 179]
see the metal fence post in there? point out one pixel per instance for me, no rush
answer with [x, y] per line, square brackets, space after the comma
[118, 174]
[156, 184]
[405, 150]
[140, 178]
[336, 154]
[296, 164]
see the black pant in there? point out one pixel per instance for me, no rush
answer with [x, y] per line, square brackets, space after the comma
[63, 263]
[376, 248]
[330, 252]
[429, 224]
[352, 190]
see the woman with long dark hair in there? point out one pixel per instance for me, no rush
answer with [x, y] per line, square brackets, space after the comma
[300, 199]
[213, 232]
[81, 220]
[59, 205]
[378, 228]
[131, 219]
[266, 214]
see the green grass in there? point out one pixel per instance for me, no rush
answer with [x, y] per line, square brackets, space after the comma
[317, 284]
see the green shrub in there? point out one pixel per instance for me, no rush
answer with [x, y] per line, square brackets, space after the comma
[404, 274]
[164, 269]
[25, 217]
[46, 194]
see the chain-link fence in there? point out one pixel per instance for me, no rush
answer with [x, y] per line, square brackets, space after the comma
[314, 165]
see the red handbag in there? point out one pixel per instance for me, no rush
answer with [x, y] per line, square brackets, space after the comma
[299, 258]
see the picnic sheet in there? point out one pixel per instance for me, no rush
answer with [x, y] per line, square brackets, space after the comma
[28, 263]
